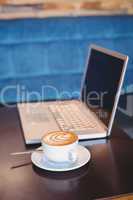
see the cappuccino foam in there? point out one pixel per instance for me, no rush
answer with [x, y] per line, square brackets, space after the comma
[60, 138]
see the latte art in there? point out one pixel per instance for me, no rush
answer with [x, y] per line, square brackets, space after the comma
[60, 138]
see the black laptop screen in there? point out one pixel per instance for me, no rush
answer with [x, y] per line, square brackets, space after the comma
[101, 83]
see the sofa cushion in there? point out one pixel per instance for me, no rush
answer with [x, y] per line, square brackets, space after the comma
[65, 28]
[36, 51]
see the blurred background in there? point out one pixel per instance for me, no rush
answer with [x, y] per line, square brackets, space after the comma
[45, 43]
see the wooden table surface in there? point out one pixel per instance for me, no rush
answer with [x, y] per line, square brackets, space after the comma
[109, 173]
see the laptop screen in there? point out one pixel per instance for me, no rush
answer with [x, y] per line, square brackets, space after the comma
[101, 83]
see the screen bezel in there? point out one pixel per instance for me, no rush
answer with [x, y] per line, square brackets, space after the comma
[125, 61]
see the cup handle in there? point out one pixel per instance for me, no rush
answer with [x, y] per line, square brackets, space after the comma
[72, 156]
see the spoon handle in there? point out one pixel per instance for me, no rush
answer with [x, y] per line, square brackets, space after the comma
[25, 152]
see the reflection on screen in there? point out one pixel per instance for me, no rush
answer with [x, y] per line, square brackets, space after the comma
[101, 82]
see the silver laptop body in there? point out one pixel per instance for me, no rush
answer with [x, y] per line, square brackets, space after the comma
[93, 114]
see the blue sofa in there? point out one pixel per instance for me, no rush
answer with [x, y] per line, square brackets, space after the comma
[53, 51]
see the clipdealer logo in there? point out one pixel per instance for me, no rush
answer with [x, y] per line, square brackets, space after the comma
[22, 94]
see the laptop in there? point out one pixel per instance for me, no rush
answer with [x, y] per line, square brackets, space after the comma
[92, 115]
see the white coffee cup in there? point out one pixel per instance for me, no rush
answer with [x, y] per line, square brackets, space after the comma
[60, 146]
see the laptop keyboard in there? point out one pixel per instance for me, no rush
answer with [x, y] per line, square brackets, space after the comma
[69, 117]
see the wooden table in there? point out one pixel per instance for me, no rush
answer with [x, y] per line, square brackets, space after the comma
[110, 171]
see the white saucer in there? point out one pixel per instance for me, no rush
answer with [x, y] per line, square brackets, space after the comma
[83, 157]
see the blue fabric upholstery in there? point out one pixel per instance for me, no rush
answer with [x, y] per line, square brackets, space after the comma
[53, 51]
